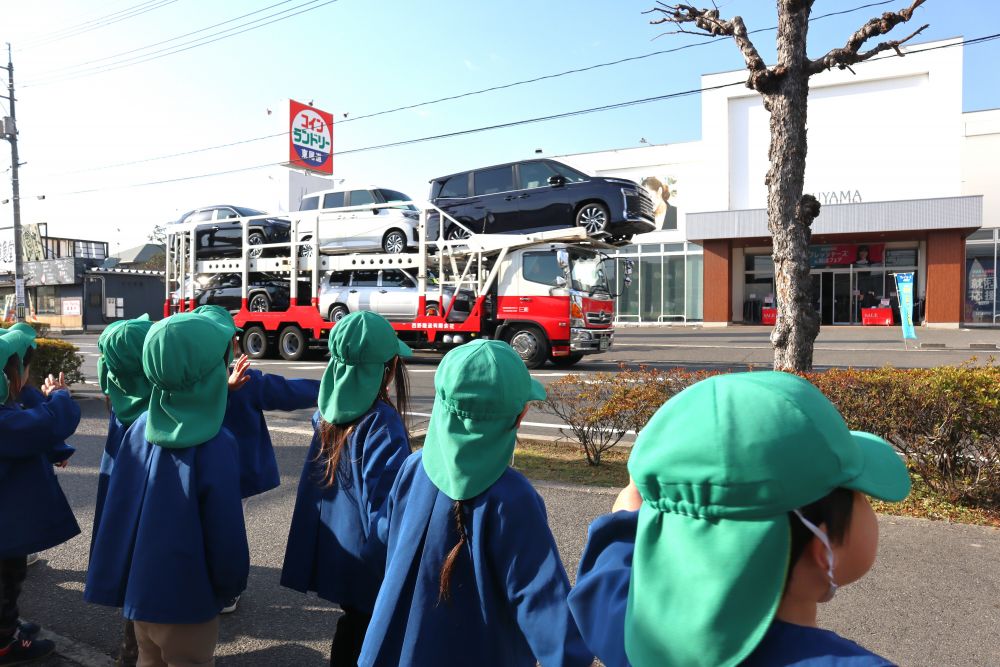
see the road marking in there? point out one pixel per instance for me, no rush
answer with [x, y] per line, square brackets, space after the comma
[549, 375]
[767, 348]
[291, 429]
[303, 368]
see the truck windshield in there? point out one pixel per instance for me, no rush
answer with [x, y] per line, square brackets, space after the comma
[587, 273]
[586, 270]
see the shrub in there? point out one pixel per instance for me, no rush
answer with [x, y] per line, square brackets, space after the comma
[52, 356]
[601, 409]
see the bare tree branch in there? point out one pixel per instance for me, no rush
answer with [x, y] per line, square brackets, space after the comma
[851, 53]
[708, 21]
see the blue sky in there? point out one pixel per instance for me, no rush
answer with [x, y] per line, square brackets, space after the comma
[356, 57]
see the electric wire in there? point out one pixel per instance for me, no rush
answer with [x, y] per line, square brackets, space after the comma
[528, 121]
[471, 93]
[156, 5]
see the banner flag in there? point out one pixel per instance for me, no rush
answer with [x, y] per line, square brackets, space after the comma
[904, 288]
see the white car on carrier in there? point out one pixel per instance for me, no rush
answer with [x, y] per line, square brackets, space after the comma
[368, 219]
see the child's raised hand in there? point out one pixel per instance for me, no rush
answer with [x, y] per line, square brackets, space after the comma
[53, 384]
[628, 499]
[239, 376]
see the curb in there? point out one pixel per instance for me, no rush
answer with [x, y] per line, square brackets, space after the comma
[76, 652]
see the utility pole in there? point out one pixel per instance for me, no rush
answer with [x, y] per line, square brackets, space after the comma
[10, 134]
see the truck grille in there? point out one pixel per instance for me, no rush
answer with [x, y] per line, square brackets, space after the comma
[602, 317]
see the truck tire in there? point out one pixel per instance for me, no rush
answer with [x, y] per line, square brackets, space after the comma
[593, 217]
[337, 312]
[566, 362]
[254, 240]
[292, 344]
[254, 342]
[530, 344]
[394, 242]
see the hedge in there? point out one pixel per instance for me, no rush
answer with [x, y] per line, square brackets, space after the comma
[52, 356]
[945, 420]
[41, 328]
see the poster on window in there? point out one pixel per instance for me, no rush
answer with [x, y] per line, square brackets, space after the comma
[845, 254]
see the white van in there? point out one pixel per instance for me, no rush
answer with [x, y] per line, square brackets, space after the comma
[357, 220]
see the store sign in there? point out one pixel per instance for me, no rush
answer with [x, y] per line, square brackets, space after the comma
[839, 197]
[310, 138]
[821, 256]
[904, 287]
[72, 307]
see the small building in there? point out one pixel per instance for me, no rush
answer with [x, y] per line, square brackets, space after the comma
[67, 287]
[145, 256]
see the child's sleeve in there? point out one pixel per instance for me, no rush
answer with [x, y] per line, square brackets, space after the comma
[531, 572]
[279, 393]
[27, 433]
[30, 397]
[384, 450]
[226, 552]
[600, 597]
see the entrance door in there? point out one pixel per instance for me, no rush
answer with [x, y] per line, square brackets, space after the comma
[843, 298]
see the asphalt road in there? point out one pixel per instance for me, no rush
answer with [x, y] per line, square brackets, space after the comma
[931, 600]
[732, 348]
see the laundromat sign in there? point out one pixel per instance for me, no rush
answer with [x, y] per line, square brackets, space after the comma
[310, 138]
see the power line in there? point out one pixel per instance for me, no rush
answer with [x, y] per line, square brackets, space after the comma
[167, 41]
[468, 93]
[169, 51]
[157, 4]
[528, 121]
[59, 31]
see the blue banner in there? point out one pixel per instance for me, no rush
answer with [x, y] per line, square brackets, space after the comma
[904, 288]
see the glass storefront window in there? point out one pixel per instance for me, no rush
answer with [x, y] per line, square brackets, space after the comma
[980, 283]
[650, 287]
[694, 287]
[673, 288]
[628, 297]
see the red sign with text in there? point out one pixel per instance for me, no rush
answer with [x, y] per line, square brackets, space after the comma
[310, 138]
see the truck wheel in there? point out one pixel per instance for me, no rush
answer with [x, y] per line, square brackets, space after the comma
[337, 312]
[292, 343]
[593, 217]
[394, 242]
[254, 240]
[259, 303]
[566, 362]
[254, 342]
[432, 309]
[531, 345]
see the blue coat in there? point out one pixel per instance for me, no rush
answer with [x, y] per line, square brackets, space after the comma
[245, 420]
[600, 599]
[172, 546]
[116, 434]
[34, 513]
[508, 586]
[331, 525]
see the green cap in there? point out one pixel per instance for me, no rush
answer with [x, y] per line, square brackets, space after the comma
[184, 358]
[480, 389]
[360, 346]
[719, 467]
[222, 316]
[119, 368]
[14, 341]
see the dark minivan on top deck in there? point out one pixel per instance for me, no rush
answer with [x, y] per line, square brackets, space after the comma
[537, 195]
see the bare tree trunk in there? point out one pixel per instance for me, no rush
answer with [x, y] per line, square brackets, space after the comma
[798, 323]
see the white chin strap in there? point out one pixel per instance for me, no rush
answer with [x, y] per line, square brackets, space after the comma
[822, 537]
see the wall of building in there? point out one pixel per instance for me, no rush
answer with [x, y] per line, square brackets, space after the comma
[980, 151]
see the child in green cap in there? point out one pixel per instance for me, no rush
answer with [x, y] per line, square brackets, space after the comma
[360, 442]
[171, 546]
[748, 508]
[473, 575]
[34, 513]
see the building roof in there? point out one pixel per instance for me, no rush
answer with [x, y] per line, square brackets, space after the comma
[137, 255]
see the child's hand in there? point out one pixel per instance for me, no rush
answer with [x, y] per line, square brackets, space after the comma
[53, 384]
[239, 376]
[628, 499]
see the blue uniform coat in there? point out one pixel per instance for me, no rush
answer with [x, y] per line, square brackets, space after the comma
[245, 420]
[172, 546]
[116, 434]
[34, 513]
[508, 586]
[600, 599]
[332, 525]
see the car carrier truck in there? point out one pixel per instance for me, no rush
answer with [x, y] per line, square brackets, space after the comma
[545, 293]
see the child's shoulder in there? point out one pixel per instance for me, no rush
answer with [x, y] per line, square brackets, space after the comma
[791, 645]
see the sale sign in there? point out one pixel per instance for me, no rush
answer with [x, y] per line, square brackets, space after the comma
[310, 138]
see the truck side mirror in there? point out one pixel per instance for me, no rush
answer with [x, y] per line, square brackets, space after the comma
[560, 281]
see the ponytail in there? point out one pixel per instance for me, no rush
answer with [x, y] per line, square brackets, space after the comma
[444, 586]
[333, 437]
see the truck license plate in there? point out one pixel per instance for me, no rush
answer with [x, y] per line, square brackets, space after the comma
[604, 344]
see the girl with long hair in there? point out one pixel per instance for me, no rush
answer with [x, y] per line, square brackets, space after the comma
[473, 575]
[360, 442]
